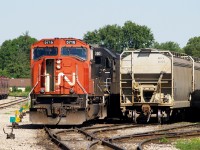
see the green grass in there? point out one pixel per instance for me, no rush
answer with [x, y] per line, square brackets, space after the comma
[163, 140]
[19, 94]
[7, 113]
[188, 144]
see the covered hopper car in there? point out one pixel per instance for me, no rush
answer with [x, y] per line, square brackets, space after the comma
[155, 83]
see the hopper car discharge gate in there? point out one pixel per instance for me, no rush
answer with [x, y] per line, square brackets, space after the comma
[147, 86]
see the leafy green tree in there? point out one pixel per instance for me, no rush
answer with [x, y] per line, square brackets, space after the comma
[15, 56]
[4, 73]
[193, 47]
[117, 38]
[110, 37]
[92, 37]
[172, 46]
[136, 36]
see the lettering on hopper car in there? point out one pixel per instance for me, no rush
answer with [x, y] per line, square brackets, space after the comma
[161, 60]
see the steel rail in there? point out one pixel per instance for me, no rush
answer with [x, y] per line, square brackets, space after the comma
[150, 132]
[88, 136]
[103, 142]
[7, 104]
[92, 144]
[116, 128]
[100, 127]
[89, 128]
[11, 101]
[56, 140]
[84, 128]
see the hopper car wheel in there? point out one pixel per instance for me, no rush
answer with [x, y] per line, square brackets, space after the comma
[159, 115]
[134, 117]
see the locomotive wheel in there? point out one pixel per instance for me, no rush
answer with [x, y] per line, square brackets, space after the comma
[134, 117]
[159, 115]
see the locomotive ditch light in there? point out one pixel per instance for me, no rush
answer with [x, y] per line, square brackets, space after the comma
[42, 91]
[58, 67]
[58, 61]
[71, 91]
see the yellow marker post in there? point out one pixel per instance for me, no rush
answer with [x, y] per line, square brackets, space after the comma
[17, 112]
[17, 119]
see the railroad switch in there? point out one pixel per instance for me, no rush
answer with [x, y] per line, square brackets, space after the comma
[15, 125]
[9, 135]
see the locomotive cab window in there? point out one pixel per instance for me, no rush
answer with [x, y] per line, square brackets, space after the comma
[74, 51]
[44, 51]
[97, 59]
[108, 63]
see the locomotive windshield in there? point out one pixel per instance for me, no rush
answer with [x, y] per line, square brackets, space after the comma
[74, 51]
[44, 51]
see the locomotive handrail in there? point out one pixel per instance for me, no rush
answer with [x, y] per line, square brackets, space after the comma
[29, 95]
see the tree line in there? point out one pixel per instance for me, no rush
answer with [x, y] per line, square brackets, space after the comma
[15, 53]
[15, 57]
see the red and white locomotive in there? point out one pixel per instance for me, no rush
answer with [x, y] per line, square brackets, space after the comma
[70, 84]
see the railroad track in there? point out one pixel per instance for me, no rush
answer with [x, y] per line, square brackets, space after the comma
[92, 137]
[141, 139]
[84, 138]
[12, 102]
[171, 135]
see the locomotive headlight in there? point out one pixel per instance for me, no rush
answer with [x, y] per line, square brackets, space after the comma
[71, 90]
[58, 66]
[58, 61]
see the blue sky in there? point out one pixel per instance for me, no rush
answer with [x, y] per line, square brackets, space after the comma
[169, 20]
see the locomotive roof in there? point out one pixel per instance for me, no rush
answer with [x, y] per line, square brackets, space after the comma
[110, 52]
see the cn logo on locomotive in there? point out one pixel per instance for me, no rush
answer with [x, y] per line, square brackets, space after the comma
[71, 83]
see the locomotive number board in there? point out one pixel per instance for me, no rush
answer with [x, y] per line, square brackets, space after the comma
[70, 42]
[48, 42]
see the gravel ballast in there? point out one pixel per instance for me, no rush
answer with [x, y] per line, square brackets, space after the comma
[26, 137]
[30, 137]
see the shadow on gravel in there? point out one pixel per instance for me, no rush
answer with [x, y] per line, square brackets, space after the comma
[28, 126]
